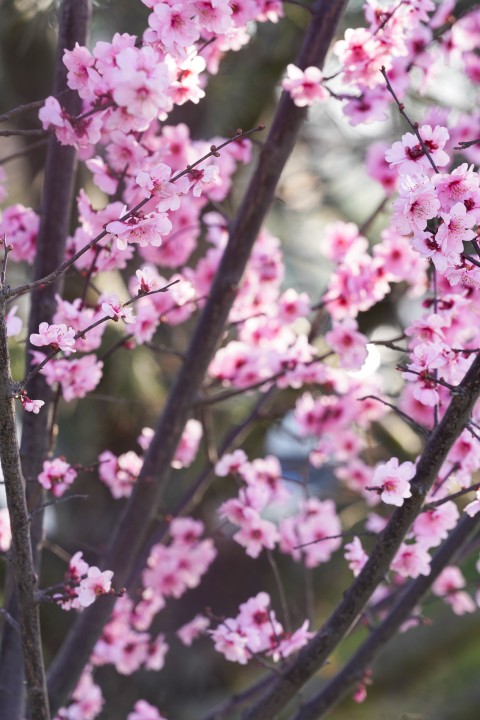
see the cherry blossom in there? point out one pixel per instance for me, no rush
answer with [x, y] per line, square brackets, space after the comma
[115, 309]
[473, 507]
[94, 584]
[5, 530]
[58, 337]
[144, 711]
[33, 406]
[304, 85]
[449, 586]
[191, 630]
[57, 476]
[393, 481]
[157, 214]
[14, 323]
[409, 155]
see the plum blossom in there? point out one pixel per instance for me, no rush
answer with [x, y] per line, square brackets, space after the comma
[411, 560]
[86, 700]
[142, 710]
[304, 86]
[202, 179]
[187, 447]
[473, 507]
[355, 555]
[57, 475]
[19, 227]
[5, 530]
[349, 344]
[256, 630]
[140, 229]
[156, 182]
[393, 481]
[173, 27]
[14, 323]
[408, 155]
[58, 337]
[30, 405]
[115, 309]
[83, 584]
[191, 630]
[119, 473]
[417, 203]
[449, 586]
[76, 377]
[432, 526]
[94, 584]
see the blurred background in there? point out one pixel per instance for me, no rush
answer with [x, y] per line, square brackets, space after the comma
[430, 673]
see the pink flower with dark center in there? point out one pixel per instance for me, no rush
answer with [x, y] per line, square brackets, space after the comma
[304, 86]
[393, 481]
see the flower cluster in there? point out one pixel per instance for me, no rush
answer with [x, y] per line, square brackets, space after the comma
[83, 584]
[256, 630]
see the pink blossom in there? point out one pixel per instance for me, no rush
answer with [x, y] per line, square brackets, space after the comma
[57, 476]
[355, 555]
[231, 463]
[19, 225]
[213, 15]
[292, 643]
[119, 473]
[58, 337]
[142, 710]
[473, 508]
[76, 377]
[79, 63]
[393, 481]
[304, 86]
[379, 169]
[432, 526]
[157, 183]
[5, 530]
[14, 323]
[32, 406]
[455, 229]
[348, 343]
[411, 561]
[94, 584]
[448, 586]
[417, 204]
[173, 26]
[145, 438]
[187, 447]
[143, 230]
[191, 630]
[256, 534]
[202, 179]
[409, 156]
[86, 700]
[157, 649]
[115, 309]
[370, 106]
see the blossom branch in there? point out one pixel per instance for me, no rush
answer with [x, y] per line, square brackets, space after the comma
[414, 127]
[354, 670]
[61, 268]
[312, 657]
[23, 567]
[147, 495]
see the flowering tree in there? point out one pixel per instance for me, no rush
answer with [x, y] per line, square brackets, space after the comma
[163, 226]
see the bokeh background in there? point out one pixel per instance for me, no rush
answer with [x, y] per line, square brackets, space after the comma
[430, 673]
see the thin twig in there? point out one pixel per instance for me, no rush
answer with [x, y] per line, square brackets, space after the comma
[414, 127]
